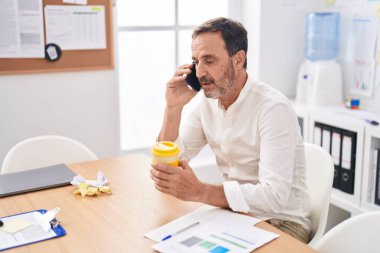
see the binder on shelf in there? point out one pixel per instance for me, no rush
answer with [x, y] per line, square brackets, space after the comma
[317, 134]
[372, 176]
[300, 122]
[326, 138]
[336, 153]
[377, 188]
[347, 175]
[25, 229]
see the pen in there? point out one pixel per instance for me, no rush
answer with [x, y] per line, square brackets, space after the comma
[180, 231]
[372, 122]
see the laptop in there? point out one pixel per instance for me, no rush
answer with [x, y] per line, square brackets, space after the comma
[35, 179]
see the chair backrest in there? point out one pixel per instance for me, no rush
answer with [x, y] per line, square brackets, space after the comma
[319, 180]
[356, 234]
[44, 151]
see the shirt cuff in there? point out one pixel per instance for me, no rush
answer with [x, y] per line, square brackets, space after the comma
[235, 197]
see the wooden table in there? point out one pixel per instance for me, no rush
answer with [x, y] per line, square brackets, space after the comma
[117, 222]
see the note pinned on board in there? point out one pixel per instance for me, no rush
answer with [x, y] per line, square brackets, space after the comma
[83, 2]
[76, 27]
[21, 29]
[361, 54]
[329, 2]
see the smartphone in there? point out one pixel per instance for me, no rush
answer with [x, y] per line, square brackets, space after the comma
[192, 79]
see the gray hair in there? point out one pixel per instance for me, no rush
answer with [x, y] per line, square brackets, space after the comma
[233, 33]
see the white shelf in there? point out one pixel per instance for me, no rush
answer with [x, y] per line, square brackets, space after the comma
[372, 140]
[342, 118]
[343, 201]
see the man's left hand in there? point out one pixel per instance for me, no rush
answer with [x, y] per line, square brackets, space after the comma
[180, 182]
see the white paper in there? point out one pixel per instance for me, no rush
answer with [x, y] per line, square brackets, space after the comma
[364, 32]
[221, 234]
[202, 215]
[21, 29]
[76, 27]
[31, 234]
[361, 49]
[100, 181]
[363, 79]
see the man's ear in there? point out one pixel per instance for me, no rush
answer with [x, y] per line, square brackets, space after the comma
[239, 59]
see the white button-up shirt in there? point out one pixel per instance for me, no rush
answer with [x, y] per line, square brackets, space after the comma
[259, 150]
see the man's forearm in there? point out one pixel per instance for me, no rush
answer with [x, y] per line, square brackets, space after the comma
[214, 195]
[170, 125]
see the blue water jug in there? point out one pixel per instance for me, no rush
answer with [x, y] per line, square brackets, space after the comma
[322, 36]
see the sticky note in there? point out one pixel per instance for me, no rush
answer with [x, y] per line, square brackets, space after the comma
[378, 11]
[75, 1]
[15, 225]
[329, 2]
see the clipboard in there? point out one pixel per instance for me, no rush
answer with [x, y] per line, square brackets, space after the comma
[29, 235]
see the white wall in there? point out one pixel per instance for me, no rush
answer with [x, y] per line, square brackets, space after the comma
[80, 105]
[276, 40]
[250, 17]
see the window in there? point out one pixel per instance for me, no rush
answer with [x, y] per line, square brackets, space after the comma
[154, 38]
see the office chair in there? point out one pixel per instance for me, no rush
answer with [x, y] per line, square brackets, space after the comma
[319, 180]
[44, 151]
[356, 234]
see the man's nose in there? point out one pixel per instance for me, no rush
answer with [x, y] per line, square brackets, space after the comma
[201, 71]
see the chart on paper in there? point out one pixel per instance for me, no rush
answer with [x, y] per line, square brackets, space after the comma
[217, 236]
[217, 243]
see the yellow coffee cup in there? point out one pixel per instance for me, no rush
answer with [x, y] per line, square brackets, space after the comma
[165, 152]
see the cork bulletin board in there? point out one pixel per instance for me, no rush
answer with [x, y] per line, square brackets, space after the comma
[71, 60]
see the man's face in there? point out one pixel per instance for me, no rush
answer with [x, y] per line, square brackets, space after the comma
[215, 69]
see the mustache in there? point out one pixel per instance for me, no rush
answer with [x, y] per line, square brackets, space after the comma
[206, 79]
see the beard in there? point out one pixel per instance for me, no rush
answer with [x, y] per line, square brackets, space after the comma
[220, 87]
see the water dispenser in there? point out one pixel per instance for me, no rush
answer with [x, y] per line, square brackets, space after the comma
[320, 76]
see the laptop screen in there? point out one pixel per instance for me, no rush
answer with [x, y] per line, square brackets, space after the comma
[35, 179]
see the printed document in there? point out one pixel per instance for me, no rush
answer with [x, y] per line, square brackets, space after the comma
[220, 234]
[201, 215]
[21, 29]
[76, 27]
[210, 229]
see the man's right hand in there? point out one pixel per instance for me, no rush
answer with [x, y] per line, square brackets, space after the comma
[178, 94]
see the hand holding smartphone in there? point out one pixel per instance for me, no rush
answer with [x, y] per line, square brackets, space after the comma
[192, 79]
